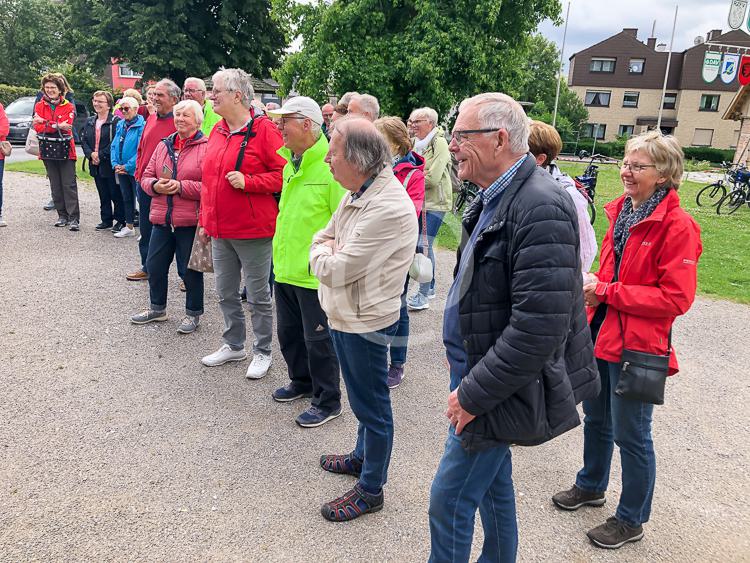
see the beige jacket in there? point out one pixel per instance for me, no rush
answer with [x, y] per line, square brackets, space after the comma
[375, 237]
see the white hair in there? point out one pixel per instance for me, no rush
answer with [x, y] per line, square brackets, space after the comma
[346, 98]
[427, 113]
[199, 81]
[500, 111]
[369, 104]
[236, 80]
[316, 129]
[129, 101]
[172, 89]
[193, 105]
[364, 147]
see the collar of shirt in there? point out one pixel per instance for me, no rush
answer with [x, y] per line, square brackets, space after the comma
[497, 187]
[357, 195]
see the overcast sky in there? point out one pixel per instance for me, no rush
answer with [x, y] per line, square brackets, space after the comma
[592, 21]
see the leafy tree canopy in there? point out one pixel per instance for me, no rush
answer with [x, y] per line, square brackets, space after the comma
[180, 38]
[412, 53]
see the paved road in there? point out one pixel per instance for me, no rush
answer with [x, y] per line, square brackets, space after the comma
[116, 444]
[20, 155]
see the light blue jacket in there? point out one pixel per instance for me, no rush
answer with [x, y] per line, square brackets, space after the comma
[124, 148]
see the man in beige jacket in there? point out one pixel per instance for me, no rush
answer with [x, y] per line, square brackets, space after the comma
[361, 259]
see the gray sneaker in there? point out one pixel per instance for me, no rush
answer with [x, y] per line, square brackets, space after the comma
[417, 302]
[614, 533]
[188, 324]
[574, 498]
[148, 316]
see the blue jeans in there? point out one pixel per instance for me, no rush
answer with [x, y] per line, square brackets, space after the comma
[144, 225]
[434, 220]
[364, 365]
[127, 190]
[611, 420]
[167, 244]
[2, 169]
[465, 481]
[401, 340]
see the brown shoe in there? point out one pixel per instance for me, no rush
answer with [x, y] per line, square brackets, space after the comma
[138, 275]
[182, 286]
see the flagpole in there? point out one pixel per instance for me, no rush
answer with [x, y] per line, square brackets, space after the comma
[559, 70]
[666, 73]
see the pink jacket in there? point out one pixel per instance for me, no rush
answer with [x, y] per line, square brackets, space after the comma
[182, 208]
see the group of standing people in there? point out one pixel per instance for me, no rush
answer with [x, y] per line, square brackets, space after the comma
[337, 200]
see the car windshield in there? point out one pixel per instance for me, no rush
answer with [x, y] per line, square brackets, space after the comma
[20, 107]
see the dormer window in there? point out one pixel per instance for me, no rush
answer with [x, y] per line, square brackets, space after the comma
[602, 64]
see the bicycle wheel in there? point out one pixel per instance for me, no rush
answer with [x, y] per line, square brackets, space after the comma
[592, 211]
[711, 195]
[731, 202]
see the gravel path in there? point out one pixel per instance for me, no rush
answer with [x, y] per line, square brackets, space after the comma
[116, 444]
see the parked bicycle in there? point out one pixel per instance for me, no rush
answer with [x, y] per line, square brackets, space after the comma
[712, 194]
[465, 196]
[586, 182]
[734, 199]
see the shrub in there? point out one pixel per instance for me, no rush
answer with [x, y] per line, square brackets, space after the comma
[9, 93]
[710, 154]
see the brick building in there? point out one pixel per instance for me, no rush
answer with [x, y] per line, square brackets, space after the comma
[620, 81]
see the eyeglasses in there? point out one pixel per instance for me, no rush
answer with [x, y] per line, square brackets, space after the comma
[215, 91]
[125, 108]
[461, 136]
[414, 121]
[636, 167]
[194, 91]
[283, 120]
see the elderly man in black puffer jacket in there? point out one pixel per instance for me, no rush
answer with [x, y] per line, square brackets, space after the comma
[515, 330]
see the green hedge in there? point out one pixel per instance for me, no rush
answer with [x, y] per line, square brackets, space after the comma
[710, 154]
[9, 93]
[617, 148]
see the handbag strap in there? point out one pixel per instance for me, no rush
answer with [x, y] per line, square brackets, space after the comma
[248, 135]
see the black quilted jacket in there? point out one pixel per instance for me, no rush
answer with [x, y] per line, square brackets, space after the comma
[522, 320]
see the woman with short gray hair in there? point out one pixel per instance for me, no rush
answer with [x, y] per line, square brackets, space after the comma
[234, 80]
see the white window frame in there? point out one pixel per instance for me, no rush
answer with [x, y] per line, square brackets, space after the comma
[630, 66]
[124, 71]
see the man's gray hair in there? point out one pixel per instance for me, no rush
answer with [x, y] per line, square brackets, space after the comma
[500, 111]
[346, 98]
[199, 81]
[193, 105]
[369, 104]
[364, 147]
[172, 89]
[237, 80]
[316, 129]
[425, 113]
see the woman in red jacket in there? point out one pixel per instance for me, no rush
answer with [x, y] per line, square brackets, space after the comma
[647, 277]
[173, 180]
[4, 130]
[53, 116]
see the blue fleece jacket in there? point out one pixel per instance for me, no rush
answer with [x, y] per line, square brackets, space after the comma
[125, 143]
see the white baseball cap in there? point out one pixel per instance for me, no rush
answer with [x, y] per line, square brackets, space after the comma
[303, 106]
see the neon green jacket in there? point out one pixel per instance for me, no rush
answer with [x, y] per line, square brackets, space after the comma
[309, 197]
[210, 118]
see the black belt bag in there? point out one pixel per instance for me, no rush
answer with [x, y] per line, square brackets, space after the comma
[642, 375]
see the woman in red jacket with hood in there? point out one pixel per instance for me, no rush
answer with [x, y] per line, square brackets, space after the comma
[647, 277]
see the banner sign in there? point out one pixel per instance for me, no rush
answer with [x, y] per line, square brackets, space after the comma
[737, 13]
[711, 66]
[729, 68]
[744, 71]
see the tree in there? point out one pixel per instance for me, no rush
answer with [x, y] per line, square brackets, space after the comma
[32, 39]
[180, 38]
[411, 53]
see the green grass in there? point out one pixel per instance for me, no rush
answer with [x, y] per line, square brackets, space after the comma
[37, 167]
[724, 266]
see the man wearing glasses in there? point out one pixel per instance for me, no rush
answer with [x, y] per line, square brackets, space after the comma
[515, 331]
[309, 197]
[195, 89]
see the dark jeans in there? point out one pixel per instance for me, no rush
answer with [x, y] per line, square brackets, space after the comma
[401, 340]
[364, 365]
[434, 220]
[62, 181]
[464, 482]
[127, 191]
[302, 328]
[167, 244]
[144, 208]
[2, 169]
[109, 194]
[611, 420]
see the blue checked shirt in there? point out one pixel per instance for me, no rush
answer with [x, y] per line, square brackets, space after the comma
[501, 183]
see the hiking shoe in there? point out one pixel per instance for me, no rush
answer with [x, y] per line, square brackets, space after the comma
[117, 227]
[189, 324]
[574, 498]
[259, 366]
[74, 226]
[148, 316]
[103, 226]
[417, 302]
[395, 376]
[314, 417]
[125, 232]
[351, 505]
[614, 533]
[223, 355]
[341, 464]
[138, 275]
[61, 222]
[289, 393]
[49, 206]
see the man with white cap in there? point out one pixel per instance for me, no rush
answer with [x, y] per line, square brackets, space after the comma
[309, 196]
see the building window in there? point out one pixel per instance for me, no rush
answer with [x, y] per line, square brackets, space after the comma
[670, 100]
[625, 131]
[636, 66]
[597, 98]
[703, 137]
[127, 72]
[594, 130]
[630, 100]
[602, 65]
[709, 102]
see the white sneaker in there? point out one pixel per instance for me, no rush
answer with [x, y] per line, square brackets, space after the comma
[223, 355]
[258, 366]
[125, 232]
[2, 221]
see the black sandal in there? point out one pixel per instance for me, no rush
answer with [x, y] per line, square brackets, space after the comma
[351, 505]
[341, 464]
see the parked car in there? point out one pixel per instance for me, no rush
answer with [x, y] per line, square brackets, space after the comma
[21, 111]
